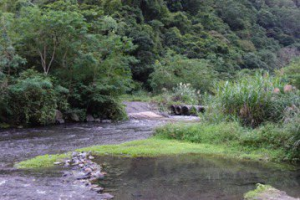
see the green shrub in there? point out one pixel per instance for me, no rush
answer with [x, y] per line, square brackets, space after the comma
[175, 69]
[285, 138]
[33, 99]
[253, 100]
[185, 93]
[293, 73]
[202, 133]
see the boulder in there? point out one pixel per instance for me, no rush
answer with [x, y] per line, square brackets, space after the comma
[59, 118]
[266, 192]
[75, 117]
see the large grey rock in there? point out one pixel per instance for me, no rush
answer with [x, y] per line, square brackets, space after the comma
[74, 117]
[59, 118]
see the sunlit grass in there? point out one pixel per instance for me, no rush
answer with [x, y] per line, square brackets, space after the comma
[44, 161]
[156, 147]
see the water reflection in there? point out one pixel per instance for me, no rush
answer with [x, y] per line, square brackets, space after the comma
[192, 177]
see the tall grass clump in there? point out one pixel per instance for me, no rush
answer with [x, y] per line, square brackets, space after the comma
[185, 93]
[256, 99]
[261, 111]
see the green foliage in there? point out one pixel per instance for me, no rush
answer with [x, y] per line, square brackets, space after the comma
[260, 190]
[273, 137]
[176, 69]
[51, 35]
[184, 93]
[293, 73]
[32, 99]
[202, 133]
[9, 59]
[79, 48]
[253, 100]
[96, 48]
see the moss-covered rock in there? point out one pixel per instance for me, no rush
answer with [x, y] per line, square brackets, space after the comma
[266, 192]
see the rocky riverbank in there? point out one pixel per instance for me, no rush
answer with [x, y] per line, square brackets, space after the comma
[85, 172]
[266, 192]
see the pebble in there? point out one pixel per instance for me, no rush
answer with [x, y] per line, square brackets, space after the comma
[91, 157]
[57, 163]
[81, 165]
[88, 170]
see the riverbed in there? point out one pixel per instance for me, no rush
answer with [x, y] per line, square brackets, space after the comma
[176, 177]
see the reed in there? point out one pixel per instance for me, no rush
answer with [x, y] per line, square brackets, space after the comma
[254, 99]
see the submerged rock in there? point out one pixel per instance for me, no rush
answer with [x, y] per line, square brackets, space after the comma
[266, 192]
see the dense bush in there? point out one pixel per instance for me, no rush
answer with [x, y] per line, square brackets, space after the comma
[254, 99]
[176, 69]
[202, 133]
[275, 137]
[293, 73]
[185, 93]
[32, 99]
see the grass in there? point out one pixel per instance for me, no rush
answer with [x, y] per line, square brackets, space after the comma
[155, 147]
[141, 97]
[44, 161]
[270, 137]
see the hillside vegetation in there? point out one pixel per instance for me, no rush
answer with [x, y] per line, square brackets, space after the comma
[79, 56]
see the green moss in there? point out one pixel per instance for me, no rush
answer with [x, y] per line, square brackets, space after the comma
[43, 161]
[154, 147]
[254, 194]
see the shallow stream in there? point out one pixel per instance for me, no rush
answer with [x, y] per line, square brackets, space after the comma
[193, 177]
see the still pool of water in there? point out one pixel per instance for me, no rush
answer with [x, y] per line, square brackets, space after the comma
[191, 177]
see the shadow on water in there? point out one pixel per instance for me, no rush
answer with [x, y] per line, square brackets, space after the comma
[192, 177]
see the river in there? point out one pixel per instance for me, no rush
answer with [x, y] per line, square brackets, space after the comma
[176, 177]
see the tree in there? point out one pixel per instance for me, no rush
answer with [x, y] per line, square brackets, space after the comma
[9, 59]
[175, 69]
[51, 35]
